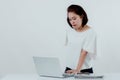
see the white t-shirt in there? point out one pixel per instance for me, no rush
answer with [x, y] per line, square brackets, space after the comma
[75, 42]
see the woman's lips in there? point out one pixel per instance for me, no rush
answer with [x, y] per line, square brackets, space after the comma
[73, 25]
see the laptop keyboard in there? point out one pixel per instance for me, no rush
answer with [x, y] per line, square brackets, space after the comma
[82, 76]
[68, 75]
[72, 78]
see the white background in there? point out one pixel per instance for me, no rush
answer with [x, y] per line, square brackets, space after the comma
[37, 28]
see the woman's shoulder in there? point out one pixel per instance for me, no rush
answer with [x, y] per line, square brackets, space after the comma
[91, 29]
[91, 32]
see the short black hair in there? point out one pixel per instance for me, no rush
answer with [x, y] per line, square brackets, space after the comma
[77, 9]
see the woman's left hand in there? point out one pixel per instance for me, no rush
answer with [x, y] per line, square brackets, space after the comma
[73, 71]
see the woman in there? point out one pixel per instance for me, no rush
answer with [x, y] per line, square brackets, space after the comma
[81, 41]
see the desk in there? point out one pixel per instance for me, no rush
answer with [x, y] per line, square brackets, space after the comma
[36, 77]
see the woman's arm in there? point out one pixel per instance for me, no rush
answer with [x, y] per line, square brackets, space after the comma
[80, 62]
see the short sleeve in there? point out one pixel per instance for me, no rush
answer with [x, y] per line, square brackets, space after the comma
[90, 44]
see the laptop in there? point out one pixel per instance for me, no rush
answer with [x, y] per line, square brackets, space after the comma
[48, 67]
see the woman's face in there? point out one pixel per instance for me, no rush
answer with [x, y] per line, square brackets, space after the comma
[75, 20]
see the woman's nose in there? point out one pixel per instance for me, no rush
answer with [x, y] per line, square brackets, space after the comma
[73, 22]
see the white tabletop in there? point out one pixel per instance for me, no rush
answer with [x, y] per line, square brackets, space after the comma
[115, 76]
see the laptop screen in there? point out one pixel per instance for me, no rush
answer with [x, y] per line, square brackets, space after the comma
[48, 66]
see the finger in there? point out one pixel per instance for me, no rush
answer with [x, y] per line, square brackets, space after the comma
[70, 71]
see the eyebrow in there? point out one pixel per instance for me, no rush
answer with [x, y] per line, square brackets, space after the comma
[72, 17]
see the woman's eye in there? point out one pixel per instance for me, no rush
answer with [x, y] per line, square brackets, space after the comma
[74, 18]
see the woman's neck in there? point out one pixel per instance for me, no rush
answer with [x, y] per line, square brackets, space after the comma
[82, 29]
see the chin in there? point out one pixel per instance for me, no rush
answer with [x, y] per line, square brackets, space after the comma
[74, 27]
